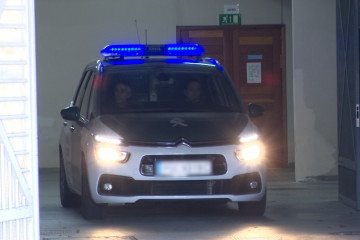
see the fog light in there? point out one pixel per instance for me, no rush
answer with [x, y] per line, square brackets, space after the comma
[253, 184]
[107, 186]
[147, 169]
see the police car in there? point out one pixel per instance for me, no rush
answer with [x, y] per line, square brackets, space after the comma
[159, 122]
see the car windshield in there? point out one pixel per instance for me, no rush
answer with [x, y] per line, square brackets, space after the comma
[166, 88]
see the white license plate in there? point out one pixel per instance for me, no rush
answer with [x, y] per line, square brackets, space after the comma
[183, 168]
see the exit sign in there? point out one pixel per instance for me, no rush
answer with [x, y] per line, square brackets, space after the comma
[230, 19]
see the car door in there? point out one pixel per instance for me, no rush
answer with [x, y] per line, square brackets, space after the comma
[67, 133]
[76, 129]
[78, 150]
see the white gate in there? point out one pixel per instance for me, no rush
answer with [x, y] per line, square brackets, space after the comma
[19, 202]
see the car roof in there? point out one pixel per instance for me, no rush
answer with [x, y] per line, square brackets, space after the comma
[153, 54]
[203, 61]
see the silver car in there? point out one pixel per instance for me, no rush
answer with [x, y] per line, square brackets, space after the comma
[147, 125]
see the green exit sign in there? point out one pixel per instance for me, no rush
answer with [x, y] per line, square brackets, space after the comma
[230, 19]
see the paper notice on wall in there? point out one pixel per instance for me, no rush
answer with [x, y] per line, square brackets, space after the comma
[253, 71]
[231, 9]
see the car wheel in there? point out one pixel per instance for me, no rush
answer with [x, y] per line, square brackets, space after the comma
[89, 209]
[68, 199]
[253, 208]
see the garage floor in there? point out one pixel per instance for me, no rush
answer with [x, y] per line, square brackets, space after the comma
[295, 210]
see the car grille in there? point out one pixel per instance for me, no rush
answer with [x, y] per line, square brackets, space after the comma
[126, 186]
[218, 162]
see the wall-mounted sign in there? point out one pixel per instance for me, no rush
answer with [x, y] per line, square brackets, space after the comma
[255, 57]
[231, 9]
[253, 72]
[230, 19]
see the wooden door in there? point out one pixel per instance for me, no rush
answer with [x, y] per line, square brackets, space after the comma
[216, 42]
[254, 58]
[257, 75]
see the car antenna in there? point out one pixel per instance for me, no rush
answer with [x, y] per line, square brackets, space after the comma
[145, 36]
[137, 30]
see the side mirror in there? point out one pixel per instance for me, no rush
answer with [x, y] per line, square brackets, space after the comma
[255, 110]
[70, 113]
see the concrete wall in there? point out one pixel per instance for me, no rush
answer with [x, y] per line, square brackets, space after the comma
[314, 87]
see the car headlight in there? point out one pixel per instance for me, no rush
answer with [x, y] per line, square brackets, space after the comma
[106, 139]
[111, 154]
[249, 137]
[250, 148]
[109, 149]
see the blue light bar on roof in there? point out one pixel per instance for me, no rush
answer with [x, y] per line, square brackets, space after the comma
[123, 50]
[184, 50]
[152, 50]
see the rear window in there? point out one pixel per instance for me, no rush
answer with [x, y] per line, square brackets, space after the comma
[166, 89]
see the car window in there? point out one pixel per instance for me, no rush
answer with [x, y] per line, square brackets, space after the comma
[84, 107]
[81, 89]
[167, 89]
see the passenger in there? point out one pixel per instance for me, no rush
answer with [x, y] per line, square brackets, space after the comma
[122, 94]
[192, 92]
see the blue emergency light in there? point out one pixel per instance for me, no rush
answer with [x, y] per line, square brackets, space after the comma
[123, 50]
[152, 50]
[184, 50]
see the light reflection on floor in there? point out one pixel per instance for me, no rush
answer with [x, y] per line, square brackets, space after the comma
[295, 211]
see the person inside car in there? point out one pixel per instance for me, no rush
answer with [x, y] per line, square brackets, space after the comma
[192, 92]
[122, 94]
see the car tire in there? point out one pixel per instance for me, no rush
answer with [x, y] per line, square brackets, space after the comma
[253, 208]
[68, 199]
[89, 209]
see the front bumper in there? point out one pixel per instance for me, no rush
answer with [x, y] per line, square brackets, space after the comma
[249, 183]
[117, 183]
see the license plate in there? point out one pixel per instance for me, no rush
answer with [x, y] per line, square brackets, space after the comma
[183, 168]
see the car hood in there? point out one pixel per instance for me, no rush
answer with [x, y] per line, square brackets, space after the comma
[171, 129]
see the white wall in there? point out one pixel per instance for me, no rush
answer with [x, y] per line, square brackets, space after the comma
[315, 88]
[287, 19]
[70, 33]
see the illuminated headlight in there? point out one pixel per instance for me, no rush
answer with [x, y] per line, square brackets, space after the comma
[105, 139]
[109, 149]
[249, 152]
[111, 154]
[249, 138]
[250, 148]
